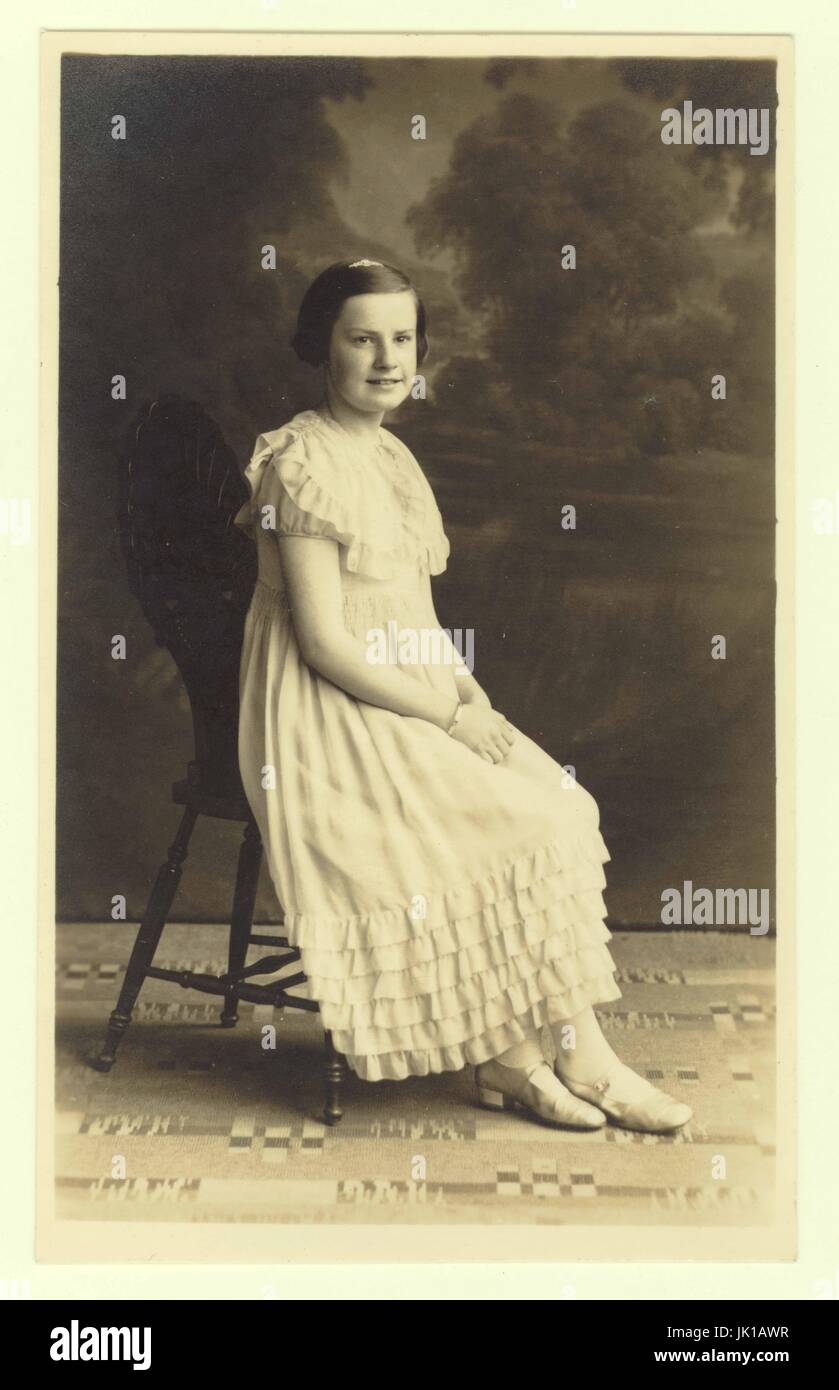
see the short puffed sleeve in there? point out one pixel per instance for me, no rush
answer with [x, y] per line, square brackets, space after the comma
[305, 482]
[292, 492]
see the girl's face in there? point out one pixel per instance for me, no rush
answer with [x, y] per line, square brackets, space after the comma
[373, 350]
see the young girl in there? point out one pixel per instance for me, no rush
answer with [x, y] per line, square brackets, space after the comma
[440, 874]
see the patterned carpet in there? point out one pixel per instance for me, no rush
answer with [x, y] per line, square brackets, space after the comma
[210, 1126]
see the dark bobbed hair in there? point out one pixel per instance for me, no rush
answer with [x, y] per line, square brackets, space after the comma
[322, 303]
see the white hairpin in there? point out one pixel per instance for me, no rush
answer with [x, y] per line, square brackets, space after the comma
[364, 262]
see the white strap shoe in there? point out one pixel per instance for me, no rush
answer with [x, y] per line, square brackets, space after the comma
[536, 1089]
[658, 1114]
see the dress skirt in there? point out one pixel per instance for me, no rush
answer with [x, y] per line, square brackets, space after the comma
[443, 906]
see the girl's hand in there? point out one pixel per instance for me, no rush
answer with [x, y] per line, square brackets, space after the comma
[485, 731]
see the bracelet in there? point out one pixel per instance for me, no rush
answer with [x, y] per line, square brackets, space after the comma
[458, 712]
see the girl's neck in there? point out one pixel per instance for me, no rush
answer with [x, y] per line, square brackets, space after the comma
[364, 427]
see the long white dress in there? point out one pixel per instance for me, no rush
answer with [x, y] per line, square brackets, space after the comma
[443, 905]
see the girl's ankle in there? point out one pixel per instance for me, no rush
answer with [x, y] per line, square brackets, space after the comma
[521, 1056]
[585, 1069]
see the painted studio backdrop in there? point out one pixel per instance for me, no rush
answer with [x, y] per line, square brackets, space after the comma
[549, 386]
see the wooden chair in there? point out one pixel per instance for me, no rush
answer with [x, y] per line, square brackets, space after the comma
[193, 573]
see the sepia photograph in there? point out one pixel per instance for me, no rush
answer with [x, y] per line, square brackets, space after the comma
[418, 747]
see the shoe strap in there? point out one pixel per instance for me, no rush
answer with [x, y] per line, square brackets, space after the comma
[535, 1066]
[602, 1085]
[657, 1098]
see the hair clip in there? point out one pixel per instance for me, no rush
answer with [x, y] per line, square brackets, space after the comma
[353, 264]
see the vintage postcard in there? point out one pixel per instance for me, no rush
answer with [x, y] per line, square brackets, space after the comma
[417, 478]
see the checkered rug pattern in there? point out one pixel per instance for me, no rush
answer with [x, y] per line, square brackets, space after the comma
[198, 1123]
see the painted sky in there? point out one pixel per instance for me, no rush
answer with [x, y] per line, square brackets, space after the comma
[385, 170]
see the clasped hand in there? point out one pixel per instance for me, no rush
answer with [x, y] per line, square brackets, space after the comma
[485, 731]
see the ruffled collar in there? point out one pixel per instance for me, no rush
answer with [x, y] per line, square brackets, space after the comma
[325, 416]
[383, 442]
[402, 470]
[372, 496]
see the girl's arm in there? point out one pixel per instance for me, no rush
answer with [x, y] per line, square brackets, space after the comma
[470, 692]
[312, 571]
[468, 689]
[311, 567]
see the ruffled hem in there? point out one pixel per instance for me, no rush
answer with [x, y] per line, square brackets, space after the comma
[487, 1042]
[578, 859]
[551, 961]
[315, 476]
[563, 931]
[468, 945]
[404, 997]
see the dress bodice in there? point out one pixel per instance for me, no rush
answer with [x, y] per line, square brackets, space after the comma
[312, 477]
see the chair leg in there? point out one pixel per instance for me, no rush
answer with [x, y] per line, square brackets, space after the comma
[336, 1071]
[148, 937]
[241, 920]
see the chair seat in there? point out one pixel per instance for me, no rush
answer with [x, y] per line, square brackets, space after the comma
[210, 803]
